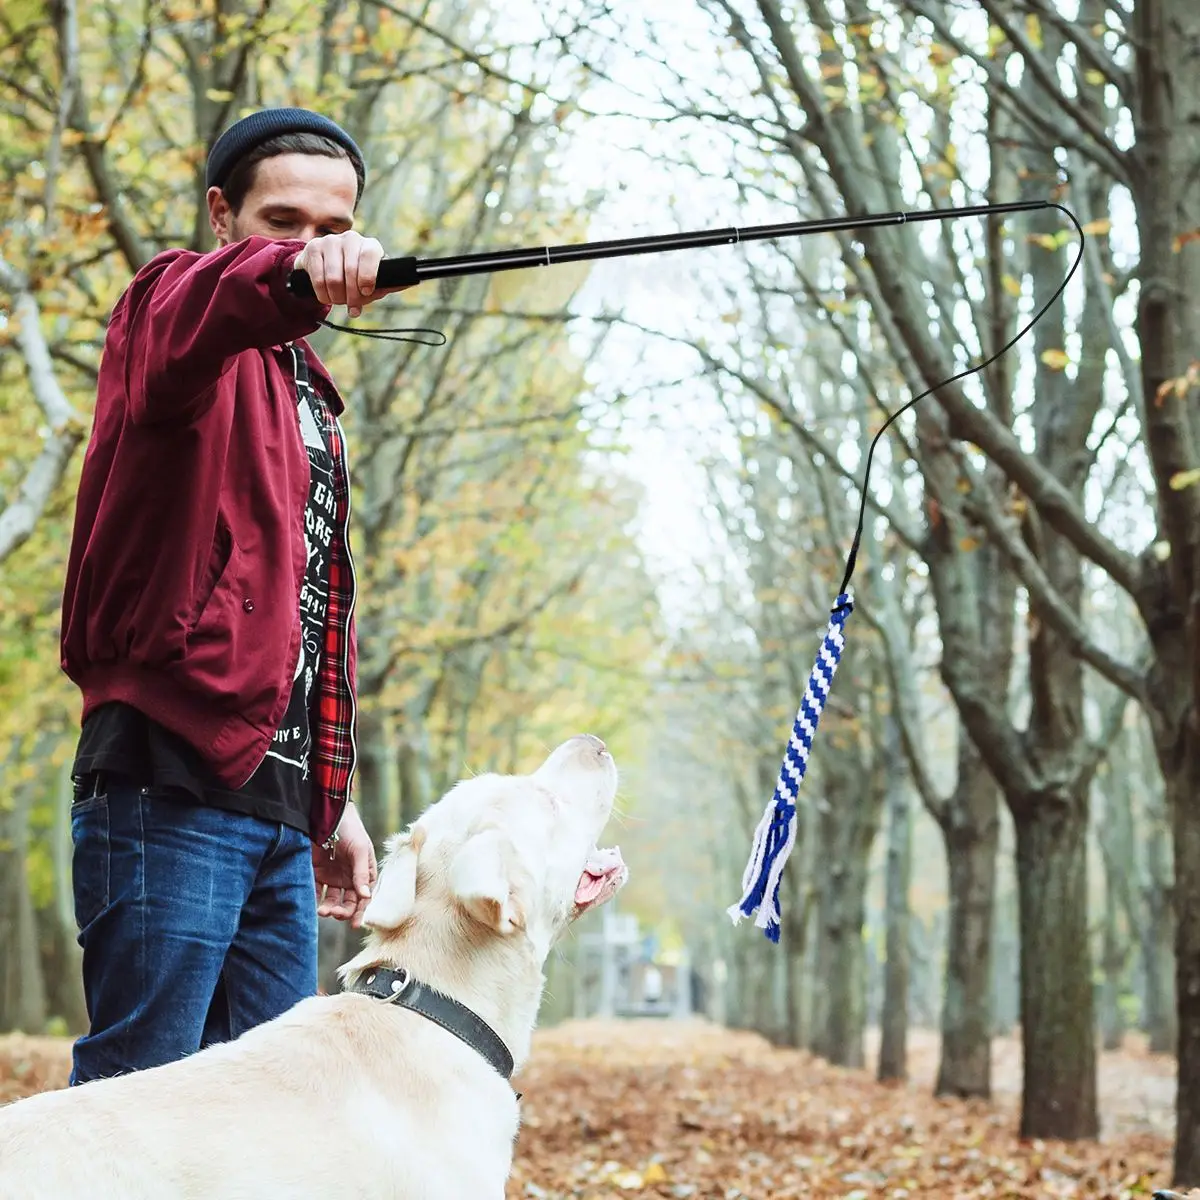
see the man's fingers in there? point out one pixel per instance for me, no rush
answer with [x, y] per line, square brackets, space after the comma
[352, 246]
[333, 251]
[314, 264]
[370, 255]
[363, 868]
[340, 903]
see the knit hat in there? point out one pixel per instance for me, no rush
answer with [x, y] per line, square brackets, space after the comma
[242, 136]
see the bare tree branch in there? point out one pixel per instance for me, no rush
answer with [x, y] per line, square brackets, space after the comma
[65, 429]
[1091, 51]
[1044, 73]
[95, 155]
[982, 507]
[1098, 147]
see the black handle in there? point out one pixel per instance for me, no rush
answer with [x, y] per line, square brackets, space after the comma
[393, 272]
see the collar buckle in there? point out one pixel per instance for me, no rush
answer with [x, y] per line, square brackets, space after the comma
[397, 986]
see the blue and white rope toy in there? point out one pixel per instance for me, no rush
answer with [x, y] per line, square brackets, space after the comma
[776, 832]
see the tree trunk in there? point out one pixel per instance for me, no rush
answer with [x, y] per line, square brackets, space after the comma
[1115, 837]
[839, 1035]
[972, 833]
[796, 944]
[924, 978]
[22, 987]
[1057, 1025]
[893, 1045]
[412, 763]
[1184, 795]
[1158, 946]
[758, 1005]
[1113, 956]
[1166, 115]
[61, 956]
[838, 1026]
[378, 773]
[1006, 967]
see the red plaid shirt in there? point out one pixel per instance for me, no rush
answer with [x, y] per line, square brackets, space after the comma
[334, 748]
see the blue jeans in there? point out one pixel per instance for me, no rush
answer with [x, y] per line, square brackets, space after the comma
[196, 925]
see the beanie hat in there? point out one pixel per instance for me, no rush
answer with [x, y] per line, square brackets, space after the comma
[242, 137]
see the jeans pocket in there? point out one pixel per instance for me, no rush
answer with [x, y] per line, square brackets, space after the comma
[90, 859]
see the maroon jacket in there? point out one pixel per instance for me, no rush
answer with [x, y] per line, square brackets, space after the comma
[187, 557]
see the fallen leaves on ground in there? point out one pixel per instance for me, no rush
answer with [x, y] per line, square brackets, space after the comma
[689, 1111]
[32, 1064]
[694, 1112]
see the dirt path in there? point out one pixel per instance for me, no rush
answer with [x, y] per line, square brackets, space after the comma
[689, 1111]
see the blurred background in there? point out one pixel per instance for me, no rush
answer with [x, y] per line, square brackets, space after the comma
[620, 498]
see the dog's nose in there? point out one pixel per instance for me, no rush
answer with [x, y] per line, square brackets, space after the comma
[593, 742]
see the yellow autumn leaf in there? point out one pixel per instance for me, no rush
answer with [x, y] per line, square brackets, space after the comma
[1098, 227]
[1033, 30]
[1056, 360]
[1011, 284]
[654, 1173]
[1185, 479]
[1094, 77]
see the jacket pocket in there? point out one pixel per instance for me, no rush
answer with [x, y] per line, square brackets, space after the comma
[217, 574]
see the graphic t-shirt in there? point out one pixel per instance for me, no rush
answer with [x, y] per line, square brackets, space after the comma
[285, 772]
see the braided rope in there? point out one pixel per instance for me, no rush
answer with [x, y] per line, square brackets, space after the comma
[776, 832]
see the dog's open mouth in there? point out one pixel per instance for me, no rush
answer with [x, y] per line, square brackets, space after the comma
[602, 877]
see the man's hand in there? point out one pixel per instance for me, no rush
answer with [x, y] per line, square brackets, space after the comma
[342, 267]
[345, 877]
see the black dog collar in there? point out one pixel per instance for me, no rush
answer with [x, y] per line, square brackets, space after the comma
[398, 987]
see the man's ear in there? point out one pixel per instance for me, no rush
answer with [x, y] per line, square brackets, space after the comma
[396, 892]
[485, 880]
[220, 215]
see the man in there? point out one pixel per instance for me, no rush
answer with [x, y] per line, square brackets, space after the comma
[208, 615]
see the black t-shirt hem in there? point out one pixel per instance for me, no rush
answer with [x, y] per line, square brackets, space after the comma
[118, 739]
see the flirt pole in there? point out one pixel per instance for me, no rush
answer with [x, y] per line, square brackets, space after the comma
[775, 835]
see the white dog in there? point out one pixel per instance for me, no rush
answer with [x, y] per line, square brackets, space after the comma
[357, 1094]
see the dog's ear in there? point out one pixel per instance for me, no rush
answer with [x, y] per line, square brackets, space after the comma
[396, 892]
[485, 881]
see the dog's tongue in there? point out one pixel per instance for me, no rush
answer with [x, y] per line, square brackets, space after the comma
[603, 874]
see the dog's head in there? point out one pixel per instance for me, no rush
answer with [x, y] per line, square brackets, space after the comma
[509, 854]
